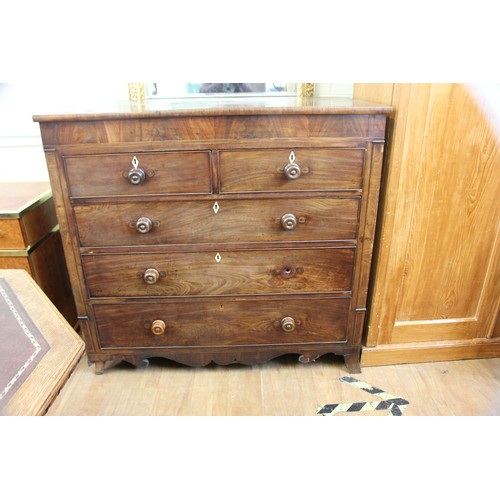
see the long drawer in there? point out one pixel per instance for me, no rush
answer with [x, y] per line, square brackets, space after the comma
[231, 221]
[219, 273]
[254, 322]
[120, 174]
[286, 170]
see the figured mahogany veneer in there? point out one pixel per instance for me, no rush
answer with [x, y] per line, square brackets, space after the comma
[237, 221]
[165, 173]
[234, 323]
[226, 231]
[253, 272]
[262, 170]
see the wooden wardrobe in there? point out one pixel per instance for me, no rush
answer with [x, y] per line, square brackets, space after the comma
[435, 293]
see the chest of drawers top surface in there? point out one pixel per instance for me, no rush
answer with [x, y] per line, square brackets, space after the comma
[213, 106]
[212, 119]
[231, 230]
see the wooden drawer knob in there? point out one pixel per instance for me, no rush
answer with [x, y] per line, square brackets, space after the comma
[288, 222]
[288, 324]
[136, 176]
[292, 171]
[158, 327]
[151, 276]
[143, 225]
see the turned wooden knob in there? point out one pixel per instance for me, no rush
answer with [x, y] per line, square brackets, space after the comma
[136, 176]
[292, 171]
[151, 276]
[288, 222]
[143, 225]
[158, 327]
[288, 324]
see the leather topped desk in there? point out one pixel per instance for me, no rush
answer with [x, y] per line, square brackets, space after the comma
[38, 347]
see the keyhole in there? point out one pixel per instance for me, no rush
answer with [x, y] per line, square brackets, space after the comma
[288, 272]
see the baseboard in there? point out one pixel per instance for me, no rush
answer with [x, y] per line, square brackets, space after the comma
[423, 352]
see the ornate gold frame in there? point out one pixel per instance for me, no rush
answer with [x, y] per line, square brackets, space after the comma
[137, 91]
[305, 89]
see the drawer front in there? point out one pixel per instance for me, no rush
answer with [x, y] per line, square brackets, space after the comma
[266, 170]
[222, 323]
[232, 221]
[11, 235]
[164, 173]
[39, 222]
[219, 273]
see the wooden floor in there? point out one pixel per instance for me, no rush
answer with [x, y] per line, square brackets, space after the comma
[282, 387]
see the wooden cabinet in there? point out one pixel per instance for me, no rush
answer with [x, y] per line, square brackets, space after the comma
[30, 240]
[200, 232]
[436, 288]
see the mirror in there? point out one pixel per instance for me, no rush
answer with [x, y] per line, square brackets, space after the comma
[163, 90]
[139, 92]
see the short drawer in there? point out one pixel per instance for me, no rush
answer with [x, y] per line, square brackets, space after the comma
[222, 323]
[273, 170]
[120, 174]
[251, 272]
[230, 221]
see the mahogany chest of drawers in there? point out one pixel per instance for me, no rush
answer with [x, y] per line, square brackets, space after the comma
[221, 231]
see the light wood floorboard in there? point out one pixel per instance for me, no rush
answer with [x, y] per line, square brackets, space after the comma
[282, 387]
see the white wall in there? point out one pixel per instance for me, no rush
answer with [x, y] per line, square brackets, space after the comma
[334, 89]
[21, 152]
